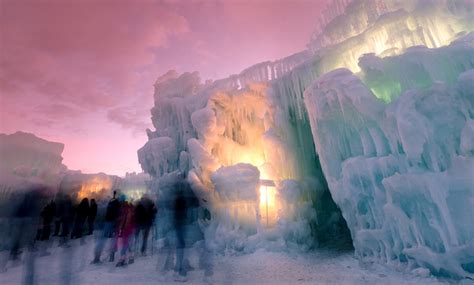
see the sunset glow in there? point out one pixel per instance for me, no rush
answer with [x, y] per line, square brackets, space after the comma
[82, 72]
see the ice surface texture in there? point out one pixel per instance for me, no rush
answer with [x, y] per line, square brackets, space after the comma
[27, 160]
[402, 173]
[387, 137]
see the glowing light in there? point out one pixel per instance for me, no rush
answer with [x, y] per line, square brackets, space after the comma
[134, 194]
[95, 188]
[267, 205]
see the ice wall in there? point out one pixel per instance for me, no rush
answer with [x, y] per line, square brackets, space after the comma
[202, 128]
[430, 21]
[431, 24]
[402, 172]
[420, 67]
[292, 132]
[27, 159]
[159, 156]
[260, 117]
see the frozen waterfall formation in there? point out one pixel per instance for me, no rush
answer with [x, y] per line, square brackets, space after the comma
[375, 121]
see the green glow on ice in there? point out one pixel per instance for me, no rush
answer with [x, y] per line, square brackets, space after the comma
[386, 91]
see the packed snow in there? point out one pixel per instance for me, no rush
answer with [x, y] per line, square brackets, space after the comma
[71, 266]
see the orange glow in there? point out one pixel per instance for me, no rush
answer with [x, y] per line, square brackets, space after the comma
[267, 205]
[95, 188]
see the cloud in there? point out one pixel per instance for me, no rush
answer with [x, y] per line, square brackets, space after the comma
[58, 111]
[82, 71]
[80, 54]
[129, 118]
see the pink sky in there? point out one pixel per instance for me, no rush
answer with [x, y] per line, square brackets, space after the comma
[81, 72]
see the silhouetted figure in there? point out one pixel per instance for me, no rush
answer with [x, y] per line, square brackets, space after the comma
[179, 219]
[126, 228]
[66, 209]
[82, 212]
[91, 216]
[47, 214]
[145, 212]
[25, 219]
[111, 216]
[58, 213]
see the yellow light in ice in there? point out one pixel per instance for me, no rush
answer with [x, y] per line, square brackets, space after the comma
[94, 187]
[267, 205]
[267, 196]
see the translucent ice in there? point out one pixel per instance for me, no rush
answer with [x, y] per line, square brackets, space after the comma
[401, 173]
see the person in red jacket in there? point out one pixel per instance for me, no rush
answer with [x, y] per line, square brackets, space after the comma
[126, 229]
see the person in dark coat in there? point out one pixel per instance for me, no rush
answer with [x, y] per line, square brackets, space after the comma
[82, 212]
[91, 216]
[145, 212]
[47, 214]
[179, 219]
[67, 216]
[25, 219]
[58, 201]
[111, 216]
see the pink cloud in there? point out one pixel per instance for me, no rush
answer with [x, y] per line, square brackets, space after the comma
[82, 72]
[130, 118]
[80, 52]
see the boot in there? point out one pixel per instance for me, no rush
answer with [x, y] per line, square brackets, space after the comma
[96, 260]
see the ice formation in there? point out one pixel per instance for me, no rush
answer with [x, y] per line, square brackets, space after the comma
[27, 160]
[398, 171]
[368, 134]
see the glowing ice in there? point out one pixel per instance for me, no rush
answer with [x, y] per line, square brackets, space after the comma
[394, 142]
[401, 173]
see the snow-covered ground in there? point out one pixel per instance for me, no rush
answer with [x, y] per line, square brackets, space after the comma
[71, 266]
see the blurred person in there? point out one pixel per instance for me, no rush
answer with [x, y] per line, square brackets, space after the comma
[47, 214]
[205, 250]
[91, 215]
[82, 212]
[126, 228]
[179, 221]
[9, 229]
[145, 212]
[26, 217]
[66, 209]
[109, 231]
[25, 221]
[58, 213]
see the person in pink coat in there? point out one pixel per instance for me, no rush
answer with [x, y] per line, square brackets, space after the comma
[126, 229]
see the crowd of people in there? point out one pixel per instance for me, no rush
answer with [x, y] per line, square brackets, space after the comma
[124, 222]
[69, 220]
[119, 225]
